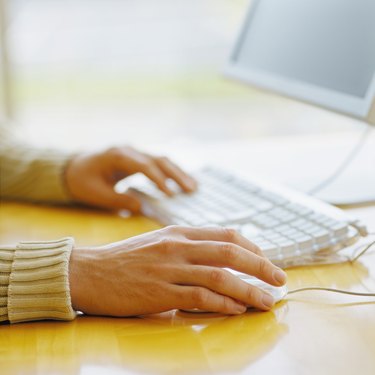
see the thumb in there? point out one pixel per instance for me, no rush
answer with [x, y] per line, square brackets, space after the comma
[125, 201]
[107, 197]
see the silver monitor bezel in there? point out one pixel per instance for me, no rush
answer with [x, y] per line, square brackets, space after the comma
[360, 108]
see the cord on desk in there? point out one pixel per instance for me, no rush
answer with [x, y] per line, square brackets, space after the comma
[330, 290]
[318, 288]
[365, 250]
[341, 168]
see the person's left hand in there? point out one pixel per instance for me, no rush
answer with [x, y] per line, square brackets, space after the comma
[90, 178]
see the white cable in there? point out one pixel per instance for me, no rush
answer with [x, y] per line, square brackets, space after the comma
[355, 258]
[366, 248]
[341, 168]
[331, 290]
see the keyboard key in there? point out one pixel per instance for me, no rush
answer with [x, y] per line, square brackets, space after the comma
[274, 198]
[269, 248]
[321, 236]
[198, 222]
[288, 248]
[213, 217]
[249, 230]
[298, 208]
[339, 229]
[304, 243]
[261, 205]
[271, 251]
[240, 215]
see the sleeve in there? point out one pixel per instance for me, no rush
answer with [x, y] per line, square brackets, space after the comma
[34, 281]
[31, 174]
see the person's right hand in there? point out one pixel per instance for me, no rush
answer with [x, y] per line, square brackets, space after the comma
[172, 268]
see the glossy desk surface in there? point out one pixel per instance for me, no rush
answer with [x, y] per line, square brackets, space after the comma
[309, 333]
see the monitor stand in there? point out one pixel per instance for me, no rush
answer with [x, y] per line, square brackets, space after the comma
[356, 184]
[304, 162]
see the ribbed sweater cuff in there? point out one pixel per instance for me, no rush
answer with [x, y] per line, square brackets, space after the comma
[39, 282]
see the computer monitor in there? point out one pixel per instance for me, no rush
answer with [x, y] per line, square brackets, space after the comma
[318, 51]
[321, 52]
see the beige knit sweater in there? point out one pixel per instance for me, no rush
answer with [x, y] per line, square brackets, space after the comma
[34, 281]
[34, 278]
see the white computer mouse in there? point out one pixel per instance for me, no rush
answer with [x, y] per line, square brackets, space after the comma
[278, 293]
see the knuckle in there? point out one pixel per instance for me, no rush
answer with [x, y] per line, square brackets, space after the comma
[230, 234]
[251, 295]
[179, 232]
[217, 277]
[114, 152]
[199, 297]
[162, 159]
[257, 250]
[119, 152]
[151, 269]
[229, 252]
[145, 165]
[173, 229]
[226, 304]
[262, 266]
[166, 244]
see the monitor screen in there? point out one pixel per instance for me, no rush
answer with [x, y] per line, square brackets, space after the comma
[326, 45]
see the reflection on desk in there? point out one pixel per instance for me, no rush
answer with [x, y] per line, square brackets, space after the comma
[172, 343]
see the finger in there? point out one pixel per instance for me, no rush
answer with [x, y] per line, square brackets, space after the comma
[223, 282]
[157, 176]
[223, 235]
[126, 201]
[130, 161]
[228, 255]
[195, 297]
[104, 196]
[186, 182]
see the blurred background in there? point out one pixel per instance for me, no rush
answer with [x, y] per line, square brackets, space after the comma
[89, 73]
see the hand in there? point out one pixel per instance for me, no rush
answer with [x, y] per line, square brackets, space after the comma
[90, 178]
[175, 267]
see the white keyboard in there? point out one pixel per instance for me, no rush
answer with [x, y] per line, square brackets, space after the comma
[291, 228]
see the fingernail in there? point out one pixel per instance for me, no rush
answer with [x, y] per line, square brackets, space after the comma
[279, 276]
[267, 300]
[240, 309]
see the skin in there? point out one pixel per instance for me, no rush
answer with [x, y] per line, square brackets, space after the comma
[172, 268]
[90, 178]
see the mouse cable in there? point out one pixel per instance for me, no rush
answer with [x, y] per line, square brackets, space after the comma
[355, 258]
[363, 251]
[330, 290]
[341, 168]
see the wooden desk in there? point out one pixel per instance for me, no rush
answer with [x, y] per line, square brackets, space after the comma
[311, 333]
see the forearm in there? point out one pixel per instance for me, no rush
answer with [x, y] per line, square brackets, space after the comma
[32, 174]
[34, 281]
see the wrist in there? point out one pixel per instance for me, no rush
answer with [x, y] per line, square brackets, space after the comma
[69, 177]
[80, 272]
[75, 274]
